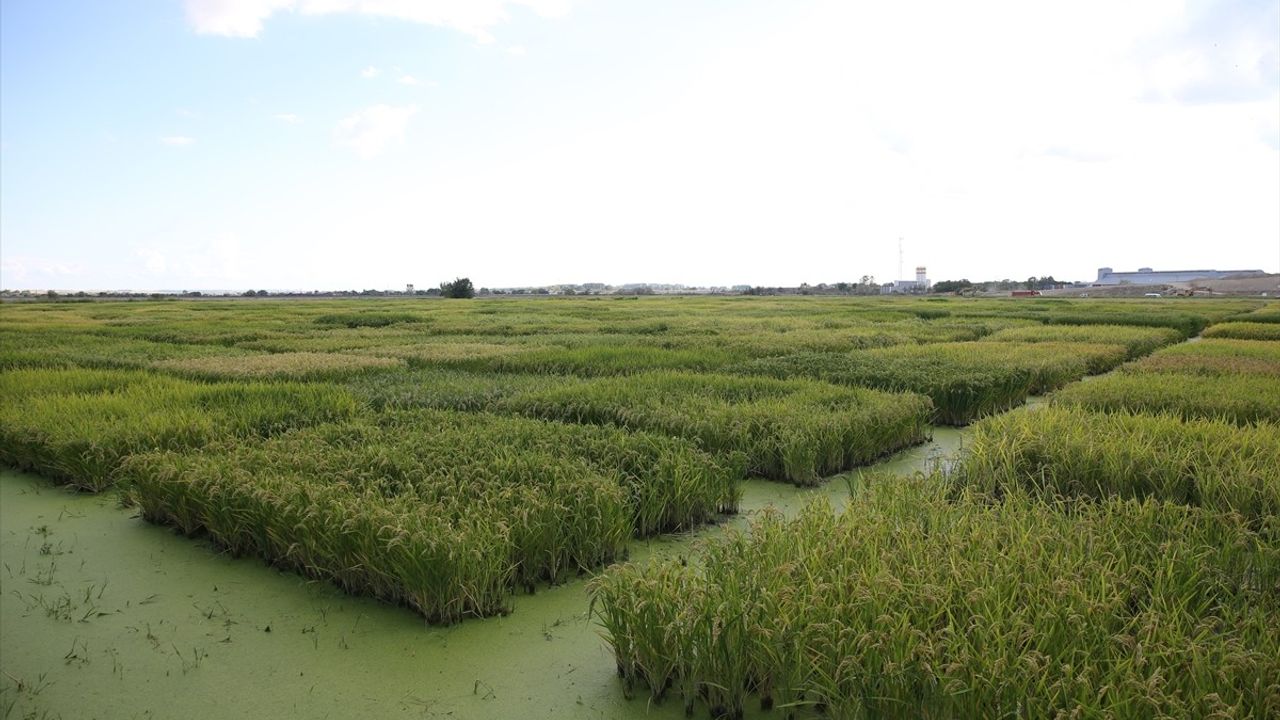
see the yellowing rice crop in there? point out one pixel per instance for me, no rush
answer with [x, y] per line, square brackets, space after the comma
[794, 430]
[1245, 331]
[443, 512]
[294, 365]
[1113, 552]
[1069, 452]
[1216, 357]
[910, 604]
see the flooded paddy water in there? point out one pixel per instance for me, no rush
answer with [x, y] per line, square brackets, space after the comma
[107, 616]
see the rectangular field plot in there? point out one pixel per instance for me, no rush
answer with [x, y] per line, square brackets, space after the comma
[76, 426]
[1267, 314]
[1071, 452]
[1186, 322]
[444, 512]
[1237, 398]
[63, 348]
[1245, 331]
[448, 389]
[795, 430]
[965, 380]
[909, 604]
[1137, 341]
[1214, 357]
[602, 360]
[277, 366]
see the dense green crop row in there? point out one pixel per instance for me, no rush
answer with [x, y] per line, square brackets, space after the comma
[1214, 357]
[450, 389]
[1233, 380]
[440, 511]
[965, 380]
[292, 365]
[1268, 314]
[64, 348]
[1236, 398]
[366, 319]
[1245, 331]
[794, 430]
[1072, 452]
[959, 393]
[911, 605]
[1186, 323]
[605, 360]
[80, 424]
[1137, 340]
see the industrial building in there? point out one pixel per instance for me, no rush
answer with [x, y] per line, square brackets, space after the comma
[919, 285]
[1147, 276]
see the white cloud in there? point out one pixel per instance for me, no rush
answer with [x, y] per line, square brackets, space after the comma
[176, 140]
[234, 18]
[26, 271]
[186, 113]
[287, 118]
[834, 136]
[244, 18]
[370, 72]
[370, 131]
[407, 80]
[516, 50]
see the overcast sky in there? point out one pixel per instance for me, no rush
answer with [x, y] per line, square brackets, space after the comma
[153, 144]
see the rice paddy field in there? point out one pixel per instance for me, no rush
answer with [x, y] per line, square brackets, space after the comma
[640, 507]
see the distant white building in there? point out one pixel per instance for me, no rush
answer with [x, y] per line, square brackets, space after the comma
[919, 285]
[1147, 276]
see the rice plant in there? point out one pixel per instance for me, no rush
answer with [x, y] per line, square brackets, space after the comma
[447, 389]
[444, 512]
[1138, 341]
[1267, 314]
[291, 365]
[1237, 398]
[77, 426]
[960, 393]
[601, 360]
[366, 319]
[1214, 357]
[41, 347]
[911, 604]
[1186, 324]
[1245, 331]
[1072, 452]
[794, 430]
[965, 381]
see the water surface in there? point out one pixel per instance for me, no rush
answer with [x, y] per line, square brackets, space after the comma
[103, 615]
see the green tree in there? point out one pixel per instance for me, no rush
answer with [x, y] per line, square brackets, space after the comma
[459, 288]
[951, 286]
